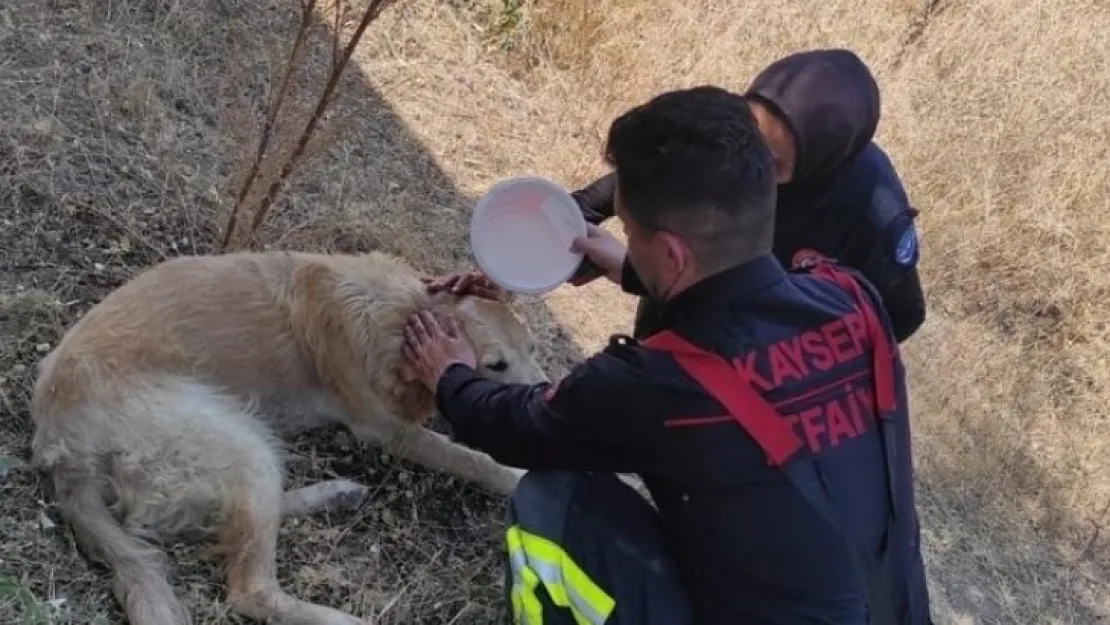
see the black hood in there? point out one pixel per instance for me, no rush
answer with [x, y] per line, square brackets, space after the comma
[829, 99]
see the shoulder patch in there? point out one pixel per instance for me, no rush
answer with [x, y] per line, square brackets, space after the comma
[905, 251]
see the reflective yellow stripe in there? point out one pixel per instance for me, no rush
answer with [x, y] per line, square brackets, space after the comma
[527, 609]
[533, 557]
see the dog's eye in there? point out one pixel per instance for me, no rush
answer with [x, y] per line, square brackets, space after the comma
[498, 366]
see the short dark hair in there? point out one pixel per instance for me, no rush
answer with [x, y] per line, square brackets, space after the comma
[693, 162]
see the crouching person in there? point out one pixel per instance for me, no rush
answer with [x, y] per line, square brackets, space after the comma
[767, 415]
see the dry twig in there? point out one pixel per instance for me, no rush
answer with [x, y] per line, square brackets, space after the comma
[268, 127]
[339, 64]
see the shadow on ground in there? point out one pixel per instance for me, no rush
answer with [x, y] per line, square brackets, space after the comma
[124, 122]
[1054, 566]
[1003, 534]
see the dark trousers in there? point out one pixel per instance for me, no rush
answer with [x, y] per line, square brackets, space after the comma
[585, 548]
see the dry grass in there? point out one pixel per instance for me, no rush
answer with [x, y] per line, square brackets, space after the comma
[127, 122]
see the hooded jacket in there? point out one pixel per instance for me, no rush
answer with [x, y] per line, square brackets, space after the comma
[845, 199]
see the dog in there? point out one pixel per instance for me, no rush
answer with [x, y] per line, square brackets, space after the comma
[164, 409]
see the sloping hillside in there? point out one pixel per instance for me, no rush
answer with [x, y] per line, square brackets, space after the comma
[128, 121]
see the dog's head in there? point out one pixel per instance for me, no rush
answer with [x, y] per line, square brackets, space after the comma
[505, 348]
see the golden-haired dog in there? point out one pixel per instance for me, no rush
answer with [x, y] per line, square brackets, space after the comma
[164, 409]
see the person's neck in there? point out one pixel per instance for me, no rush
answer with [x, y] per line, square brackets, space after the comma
[729, 287]
[684, 284]
[699, 274]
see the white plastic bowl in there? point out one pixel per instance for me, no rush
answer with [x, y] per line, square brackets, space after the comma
[521, 232]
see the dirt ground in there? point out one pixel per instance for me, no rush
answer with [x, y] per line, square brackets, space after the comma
[126, 124]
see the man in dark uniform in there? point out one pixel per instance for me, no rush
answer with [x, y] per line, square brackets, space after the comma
[767, 416]
[838, 195]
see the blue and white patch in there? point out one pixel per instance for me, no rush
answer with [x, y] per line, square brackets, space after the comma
[905, 252]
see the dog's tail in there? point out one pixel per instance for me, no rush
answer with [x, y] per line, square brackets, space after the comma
[140, 583]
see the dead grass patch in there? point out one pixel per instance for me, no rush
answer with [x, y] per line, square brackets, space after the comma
[993, 112]
[128, 120]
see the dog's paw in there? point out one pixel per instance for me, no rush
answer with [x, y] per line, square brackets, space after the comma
[348, 496]
[331, 495]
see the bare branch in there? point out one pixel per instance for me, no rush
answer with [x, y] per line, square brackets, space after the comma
[307, 8]
[373, 10]
[340, 13]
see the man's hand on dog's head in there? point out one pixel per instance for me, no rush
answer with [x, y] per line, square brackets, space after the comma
[465, 283]
[434, 342]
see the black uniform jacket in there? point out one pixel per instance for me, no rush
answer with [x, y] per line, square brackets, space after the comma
[749, 547]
